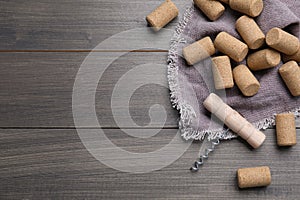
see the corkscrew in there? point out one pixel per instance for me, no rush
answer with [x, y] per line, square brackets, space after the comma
[207, 147]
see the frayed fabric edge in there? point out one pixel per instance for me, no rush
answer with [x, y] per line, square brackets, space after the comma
[186, 111]
[270, 122]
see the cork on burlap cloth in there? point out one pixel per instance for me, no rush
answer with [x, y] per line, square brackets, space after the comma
[191, 85]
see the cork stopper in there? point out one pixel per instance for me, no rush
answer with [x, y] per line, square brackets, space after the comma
[286, 129]
[198, 51]
[250, 32]
[222, 72]
[254, 177]
[253, 8]
[231, 46]
[282, 41]
[245, 80]
[234, 120]
[162, 15]
[295, 57]
[212, 9]
[263, 59]
[290, 73]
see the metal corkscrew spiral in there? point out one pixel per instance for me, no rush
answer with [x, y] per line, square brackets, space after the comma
[210, 146]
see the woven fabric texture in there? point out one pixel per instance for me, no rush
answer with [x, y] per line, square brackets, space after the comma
[190, 85]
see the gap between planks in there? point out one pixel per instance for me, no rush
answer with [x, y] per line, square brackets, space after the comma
[105, 128]
[74, 128]
[79, 51]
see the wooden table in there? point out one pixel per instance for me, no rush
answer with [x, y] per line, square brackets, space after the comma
[43, 44]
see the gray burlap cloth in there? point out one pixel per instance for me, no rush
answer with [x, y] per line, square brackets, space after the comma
[191, 85]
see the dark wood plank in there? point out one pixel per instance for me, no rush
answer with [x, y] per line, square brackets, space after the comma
[71, 24]
[53, 164]
[36, 89]
[74, 24]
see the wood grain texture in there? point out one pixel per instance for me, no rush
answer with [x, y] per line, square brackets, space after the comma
[53, 164]
[36, 89]
[42, 46]
[71, 24]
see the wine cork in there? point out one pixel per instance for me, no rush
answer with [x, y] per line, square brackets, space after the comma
[254, 177]
[290, 73]
[282, 41]
[198, 51]
[225, 1]
[245, 80]
[250, 32]
[286, 129]
[211, 8]
[295, 57]
[252, 8]
[222, 72]
[231, 46]
[234, 120]
[263, 59]
[162, 15]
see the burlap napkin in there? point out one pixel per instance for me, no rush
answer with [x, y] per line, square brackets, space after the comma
[191, 85]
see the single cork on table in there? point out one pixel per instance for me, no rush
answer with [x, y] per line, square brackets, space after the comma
[234, 120]
[295, 57]
[162, 15]
[198, 51]
[263, 59]
[286, 129]
[231, 46]
[290, 73]
[282, 41]
[245, 80]
[250, 32]
[222, 72]
[254, 177]
[253, 8]
[211, 8]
